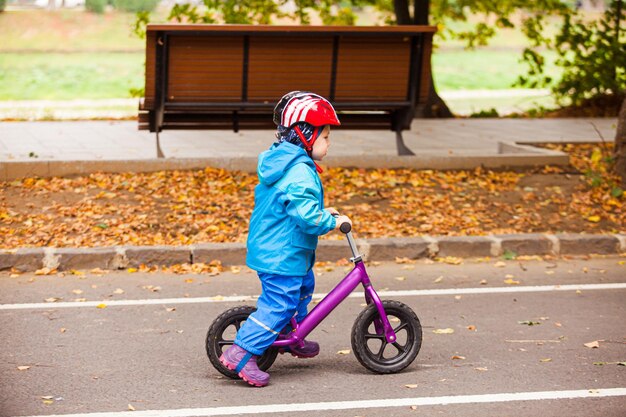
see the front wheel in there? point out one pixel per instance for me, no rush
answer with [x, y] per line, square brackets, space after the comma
[221, 336]
[371, 347]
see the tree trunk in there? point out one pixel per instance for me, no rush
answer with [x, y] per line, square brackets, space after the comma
[434, 106]
[620, 145]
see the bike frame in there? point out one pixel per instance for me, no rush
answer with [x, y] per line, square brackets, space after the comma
[357, 276]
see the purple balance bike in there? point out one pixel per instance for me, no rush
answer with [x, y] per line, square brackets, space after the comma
[379, 345]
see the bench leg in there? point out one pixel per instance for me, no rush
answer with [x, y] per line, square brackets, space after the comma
[159, 150]
[402, 148]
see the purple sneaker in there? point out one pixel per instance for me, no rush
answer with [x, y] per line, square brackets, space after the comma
[244, 364]
[308, 350]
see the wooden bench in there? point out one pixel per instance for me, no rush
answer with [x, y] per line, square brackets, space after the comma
[231, 76]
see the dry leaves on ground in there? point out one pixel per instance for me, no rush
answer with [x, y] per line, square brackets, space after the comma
[214, 205]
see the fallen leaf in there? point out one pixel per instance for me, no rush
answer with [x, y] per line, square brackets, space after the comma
[77, 292]
[481, 369]
[443, 331]
[545, 360]
[98, 271]
[102, 305]
[457, 297]
[130, 407]
[23, 368]
[131, 270]
[511, 282]
[400, 278]
[529, 323]
[451, 260]
[235, 269]
[458, 357]
[344, 352]
[500, 264]
[413, 407]
[438, 280]
[593, 345]
[408, 267]
[189, 280]
[52, 299]
[118, 291]
[594, 219]
[471, 328]
[62, 330]
[404, 260]
[411, 385]
[170, 309]
[483, 282]
[549, 272]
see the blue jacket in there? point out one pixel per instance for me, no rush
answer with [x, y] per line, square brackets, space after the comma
[288, 213]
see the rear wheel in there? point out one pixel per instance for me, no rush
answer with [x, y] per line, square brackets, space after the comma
[221, 336]
[371, 347]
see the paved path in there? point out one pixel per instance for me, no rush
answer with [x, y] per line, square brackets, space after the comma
[104, 140]
[99, 360]
[47, 149]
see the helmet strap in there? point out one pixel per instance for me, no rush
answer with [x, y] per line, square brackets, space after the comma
[308, 144]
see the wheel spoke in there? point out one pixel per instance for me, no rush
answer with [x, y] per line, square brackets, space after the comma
[382, 350]
[225, 342]
[374, 336]
[400, 327]
[400, 348]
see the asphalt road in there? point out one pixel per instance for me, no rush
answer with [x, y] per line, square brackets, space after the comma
[85, 359]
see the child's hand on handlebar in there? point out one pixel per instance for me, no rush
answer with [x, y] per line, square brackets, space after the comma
[332, 211]
[343, 219]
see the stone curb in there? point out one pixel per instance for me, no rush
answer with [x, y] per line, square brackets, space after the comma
[387, 249]
[508, 155]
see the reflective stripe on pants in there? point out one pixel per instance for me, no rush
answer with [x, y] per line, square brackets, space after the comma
[282, 297]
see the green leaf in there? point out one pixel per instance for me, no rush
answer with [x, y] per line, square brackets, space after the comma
[509, 255]
[617, 192]
[529, 323]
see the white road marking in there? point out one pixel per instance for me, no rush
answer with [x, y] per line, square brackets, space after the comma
[362, 404]
[356, 294]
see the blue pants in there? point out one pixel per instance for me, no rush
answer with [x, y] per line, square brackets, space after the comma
[282, 297]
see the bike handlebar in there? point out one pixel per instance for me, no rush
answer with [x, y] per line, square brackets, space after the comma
[344, 227]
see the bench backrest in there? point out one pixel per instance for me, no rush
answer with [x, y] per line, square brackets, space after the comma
[247, 68]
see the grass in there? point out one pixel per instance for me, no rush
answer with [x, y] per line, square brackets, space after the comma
[481, 69]
[57, 76]
[70, 54]
[67, 30]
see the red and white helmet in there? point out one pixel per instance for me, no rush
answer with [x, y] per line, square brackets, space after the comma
[304, 106]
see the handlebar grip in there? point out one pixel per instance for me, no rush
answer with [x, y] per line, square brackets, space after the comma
[345, 227]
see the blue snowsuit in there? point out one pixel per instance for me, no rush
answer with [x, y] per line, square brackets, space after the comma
[287, 219]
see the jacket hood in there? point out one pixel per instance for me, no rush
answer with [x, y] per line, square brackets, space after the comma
[275, 162]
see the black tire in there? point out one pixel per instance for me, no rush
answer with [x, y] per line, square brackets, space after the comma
[222, 334]
[372, 349]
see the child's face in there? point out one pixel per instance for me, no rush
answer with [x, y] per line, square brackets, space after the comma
[321, 145]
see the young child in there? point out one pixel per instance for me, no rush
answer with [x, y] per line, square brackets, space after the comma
[288, 217]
